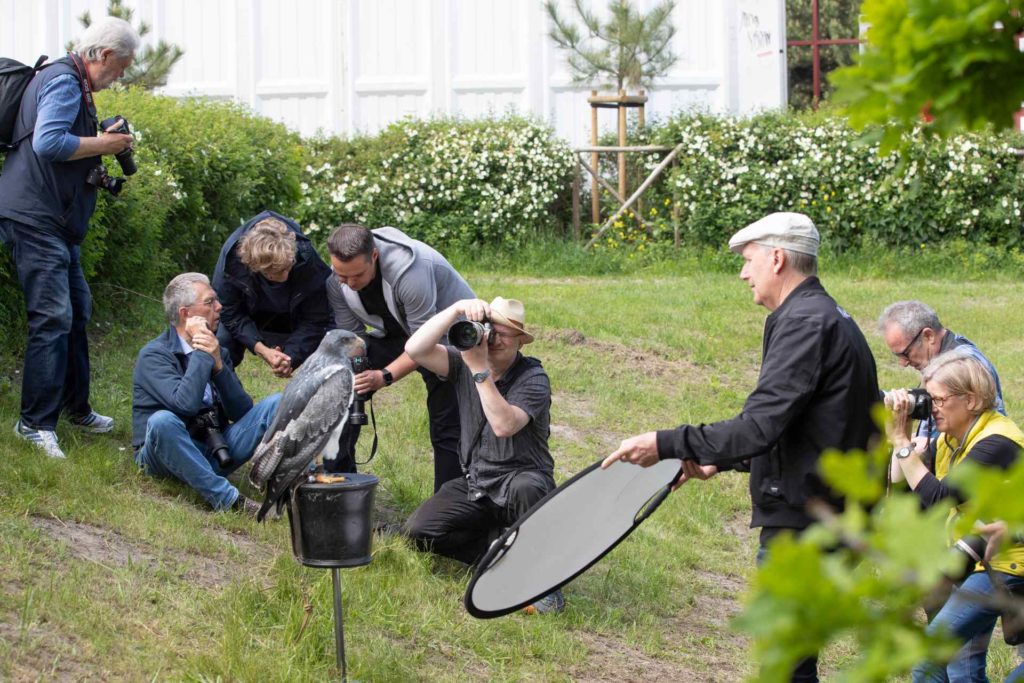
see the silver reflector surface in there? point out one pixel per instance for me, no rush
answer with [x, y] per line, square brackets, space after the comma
[565, 533]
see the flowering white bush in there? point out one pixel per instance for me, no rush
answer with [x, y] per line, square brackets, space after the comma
[447, 182]
[735, 171]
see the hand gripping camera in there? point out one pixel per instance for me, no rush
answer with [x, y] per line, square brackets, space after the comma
[98, 176]
[357, 414]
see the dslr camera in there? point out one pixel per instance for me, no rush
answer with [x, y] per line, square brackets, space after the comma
[920, 404]
[465, 334]
[206, 427]
[98, 176]
[357, 414]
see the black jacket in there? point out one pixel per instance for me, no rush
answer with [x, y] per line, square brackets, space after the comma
[815, 391]
[238, 291]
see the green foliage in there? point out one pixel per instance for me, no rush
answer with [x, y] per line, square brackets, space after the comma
[203, 168]
[447, 182]
[892, 556]
[967, 188]
[214, 164]
[837, 19]
[153, 63]
[631, 49]
[955, 60]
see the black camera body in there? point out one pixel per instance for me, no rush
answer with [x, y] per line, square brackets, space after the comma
[98, 177]
[920, 404]
[206, 427]
[119, 124]
[357, 414]
[465, 334]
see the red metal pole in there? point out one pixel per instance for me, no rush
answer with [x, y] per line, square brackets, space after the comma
[815, 56]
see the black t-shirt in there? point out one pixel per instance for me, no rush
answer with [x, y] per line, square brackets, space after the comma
[992, 451]
[372, 296]
[272, 312]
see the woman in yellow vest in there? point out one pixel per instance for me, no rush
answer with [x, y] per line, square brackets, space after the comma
[963, 397]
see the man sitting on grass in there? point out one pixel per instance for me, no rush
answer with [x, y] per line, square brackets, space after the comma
[181, 375]
[504, 402]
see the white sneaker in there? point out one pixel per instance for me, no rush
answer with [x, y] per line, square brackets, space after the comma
[93, 422]
[43, 438]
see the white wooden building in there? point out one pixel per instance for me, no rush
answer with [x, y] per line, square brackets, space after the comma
[350, 66]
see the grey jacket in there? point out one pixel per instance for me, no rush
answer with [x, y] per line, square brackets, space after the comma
[418, 282]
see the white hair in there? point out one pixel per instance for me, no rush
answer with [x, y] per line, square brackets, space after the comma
[181, 293]
[107, 33]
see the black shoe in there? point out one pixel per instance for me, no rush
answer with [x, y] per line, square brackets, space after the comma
[247, 506]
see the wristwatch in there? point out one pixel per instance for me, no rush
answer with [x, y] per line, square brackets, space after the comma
[388, 378]
[481, 377]
[904, 452]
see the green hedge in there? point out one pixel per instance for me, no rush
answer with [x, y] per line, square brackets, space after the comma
[734, 171]
[203, 167]
[452, 183]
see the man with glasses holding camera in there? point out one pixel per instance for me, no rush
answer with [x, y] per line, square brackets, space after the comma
[385, 286]
[46, 201]
[191, 418]
[504, 401]
[912, 331]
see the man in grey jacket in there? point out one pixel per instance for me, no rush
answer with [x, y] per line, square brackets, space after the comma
[385, 285]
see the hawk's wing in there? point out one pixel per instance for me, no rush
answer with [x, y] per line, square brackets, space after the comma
[305, 418]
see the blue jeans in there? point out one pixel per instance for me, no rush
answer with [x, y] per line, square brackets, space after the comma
[169, 451]
[969, 622]
[59, 305]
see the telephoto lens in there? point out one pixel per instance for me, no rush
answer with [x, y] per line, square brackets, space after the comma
[465, 334]
[969, 550]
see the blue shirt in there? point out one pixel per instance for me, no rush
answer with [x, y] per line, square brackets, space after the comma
[58, 105]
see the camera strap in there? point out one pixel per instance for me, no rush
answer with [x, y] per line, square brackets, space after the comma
[83, 78]
[373, 446]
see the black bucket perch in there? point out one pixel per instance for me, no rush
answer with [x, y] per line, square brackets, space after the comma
[331, 517]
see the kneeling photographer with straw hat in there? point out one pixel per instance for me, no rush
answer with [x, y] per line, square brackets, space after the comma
[504, 417]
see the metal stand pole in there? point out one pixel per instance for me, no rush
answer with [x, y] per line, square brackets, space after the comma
[339, 629]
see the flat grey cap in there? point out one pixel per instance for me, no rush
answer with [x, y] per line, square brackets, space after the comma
[793, 231]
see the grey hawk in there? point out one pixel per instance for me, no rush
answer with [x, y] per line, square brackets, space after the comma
[309, 419]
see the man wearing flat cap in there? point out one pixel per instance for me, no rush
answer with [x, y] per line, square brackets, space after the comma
[504, 402]
[815, 391]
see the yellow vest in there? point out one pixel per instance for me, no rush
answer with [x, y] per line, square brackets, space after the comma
[948, 455]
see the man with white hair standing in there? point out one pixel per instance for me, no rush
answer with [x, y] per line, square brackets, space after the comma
[815, 391]
[46, 201]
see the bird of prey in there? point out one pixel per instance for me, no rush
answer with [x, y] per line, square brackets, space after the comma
[309, 419]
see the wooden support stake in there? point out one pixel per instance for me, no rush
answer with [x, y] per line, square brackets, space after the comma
[622, 143]
[576, 189]
[636, 195]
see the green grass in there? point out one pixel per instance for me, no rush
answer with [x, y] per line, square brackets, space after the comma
[108, 574]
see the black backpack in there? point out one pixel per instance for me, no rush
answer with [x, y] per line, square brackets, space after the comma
[14, 78]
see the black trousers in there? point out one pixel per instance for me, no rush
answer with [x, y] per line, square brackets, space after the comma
[806, 670]
[442, 409]
[450, 524]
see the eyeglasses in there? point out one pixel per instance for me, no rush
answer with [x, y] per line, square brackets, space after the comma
[208, 301]
[939, 401]
[493, 335]
[905, 351]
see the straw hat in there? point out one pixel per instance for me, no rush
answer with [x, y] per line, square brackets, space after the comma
[510, 313]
